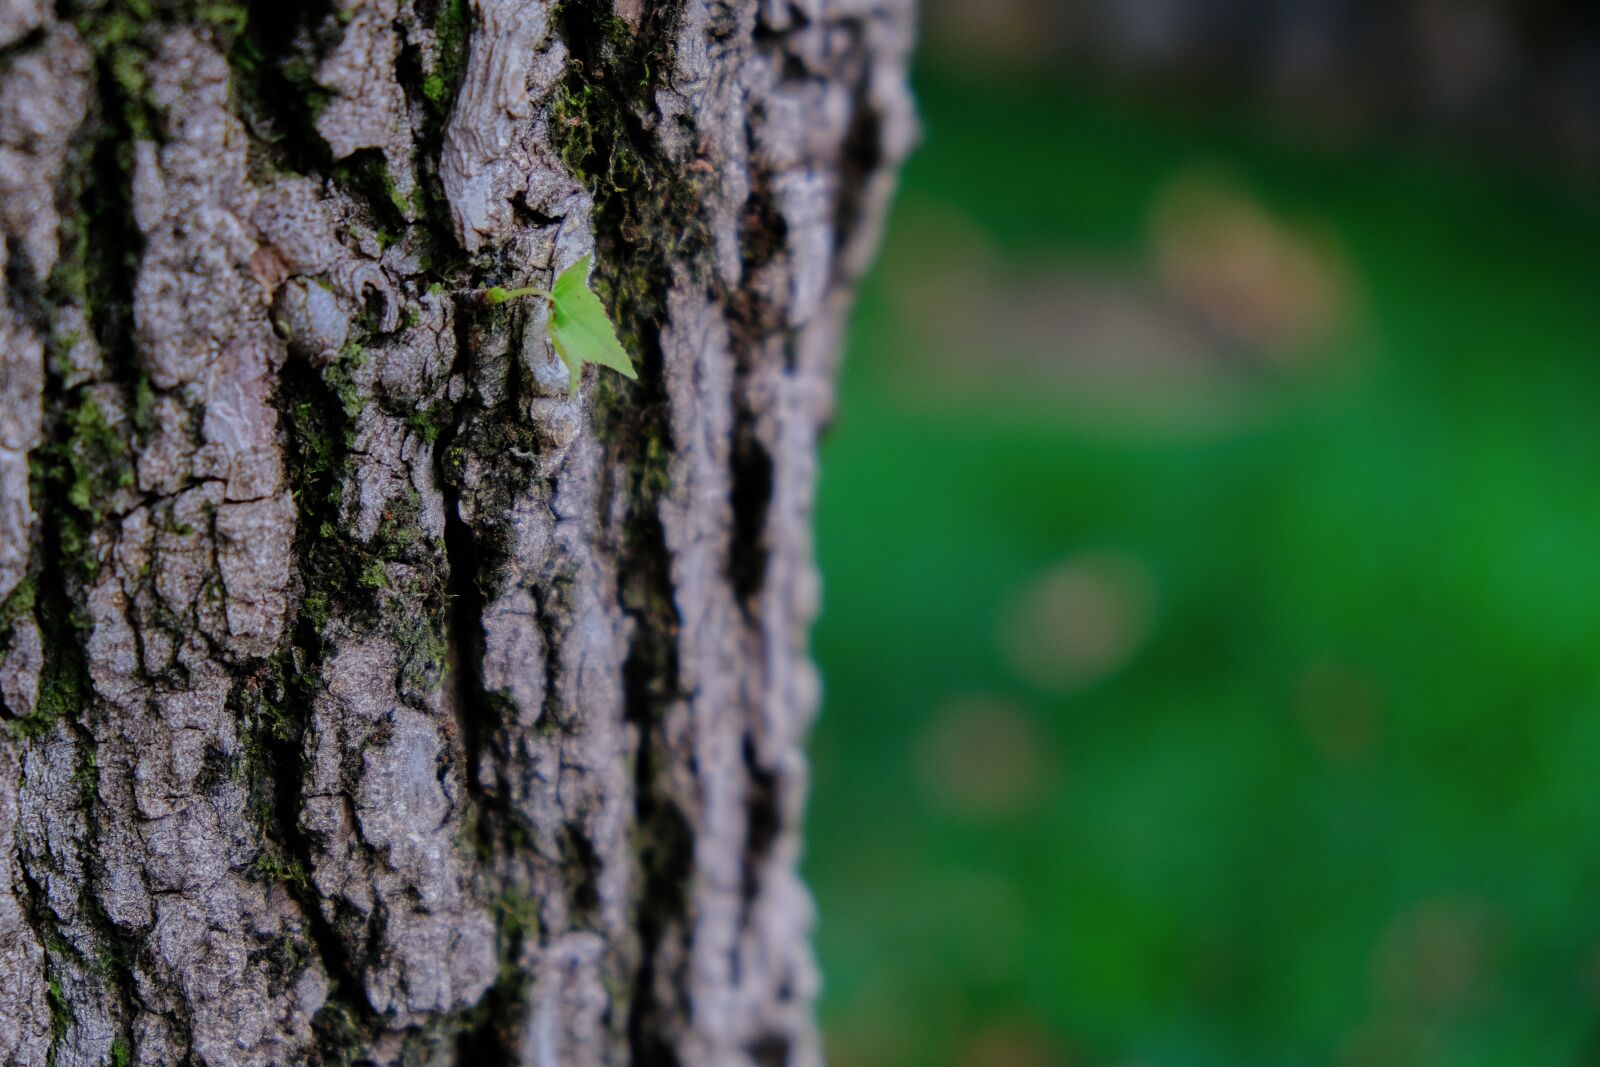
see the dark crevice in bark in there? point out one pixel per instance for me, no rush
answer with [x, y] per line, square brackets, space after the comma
[62, 704]
[663, 833]
[474, 556]
[344, 580]
[109, 245]
[275, 95]
[666, 858]
[21, 46]
[46, 929]
[276, 777]
[317, 442]
[648, 223]
[548, 621]
[770, 1051]
[57, 551]
[583, 866]
[491, 1042]
[530, 215]
[763, 232]
[492, 1039]
[464, 567]
[62, 695]
[472, 704]
[751, 499]
[431, 81]
[364, 175]
[84, 462]
[274, 91]
[753, 321]
[861, 160]
[763, 820]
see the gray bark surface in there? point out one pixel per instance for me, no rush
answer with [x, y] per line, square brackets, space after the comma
[365, 698]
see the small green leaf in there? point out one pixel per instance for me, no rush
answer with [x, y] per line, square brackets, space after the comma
[580, 329]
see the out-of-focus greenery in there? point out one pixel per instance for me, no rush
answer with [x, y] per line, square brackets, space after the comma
[1243, 710]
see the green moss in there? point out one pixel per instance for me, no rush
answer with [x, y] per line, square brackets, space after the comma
[59, 698]
[271, 865]
[115, 33]
[124, 36]
[315, 609]
[61, 1017]
[318, 451]
[87, 467]
[43, 596]
[339, 376]
[518, 914]
[63, 684]
[275, 91]
[87, 776]
[573, 123]
[338, 1032]
[97, 458]
[428, 422]
[144, 404]
[116, 953]
[420, 641]
[436, 90]
[374, 576]
[279, 722]
[20, 602]
[452, 31]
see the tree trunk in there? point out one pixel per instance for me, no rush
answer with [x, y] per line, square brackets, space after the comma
[366, 699]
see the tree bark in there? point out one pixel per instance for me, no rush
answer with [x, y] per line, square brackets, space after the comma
[365, 698]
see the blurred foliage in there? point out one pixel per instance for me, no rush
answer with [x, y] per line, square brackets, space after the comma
[1211, 682]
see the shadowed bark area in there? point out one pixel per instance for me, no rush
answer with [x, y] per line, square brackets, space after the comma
[365, 699]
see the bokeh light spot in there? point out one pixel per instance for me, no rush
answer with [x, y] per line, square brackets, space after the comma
[1080, 621]
[984, 756]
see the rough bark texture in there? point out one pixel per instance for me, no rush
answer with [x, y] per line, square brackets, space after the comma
[365, 699]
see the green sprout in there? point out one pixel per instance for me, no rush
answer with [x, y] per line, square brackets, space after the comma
[580, 330]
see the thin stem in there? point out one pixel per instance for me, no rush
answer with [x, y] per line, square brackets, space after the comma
[498, 295]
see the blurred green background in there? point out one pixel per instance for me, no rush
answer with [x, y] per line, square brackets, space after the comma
[1212, 551]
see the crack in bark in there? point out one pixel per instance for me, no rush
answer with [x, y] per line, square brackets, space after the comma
[492, 1039]
[316, 425]
[644, 212]
[75, 472]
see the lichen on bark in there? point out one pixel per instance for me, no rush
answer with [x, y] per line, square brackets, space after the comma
[365, 697]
